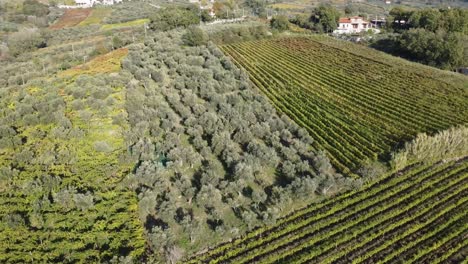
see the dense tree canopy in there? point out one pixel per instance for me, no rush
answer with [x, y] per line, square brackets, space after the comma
[280, 23]
[195, 36]
[25, 40]
[325, 17]
[436, 37]
[174, 17]
[449, 20]
[215, 158]
[34, 8]
[440, 49]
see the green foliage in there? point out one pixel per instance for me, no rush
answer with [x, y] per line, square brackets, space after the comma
[24, 41]
[280, 23]
[62, 197]
[448, 20]
[440, 49]
[34, 8]
[205, 16]
[134, 23]
[283, 68]
[448, 144]
[195, 36]
[258, 6]
[349, 10]
[174, 17]
[407, 216]
[102, 146]
[129, 11]
[226, 34]
[325, 18]
[210, 149]
[303, 21]
[117, 42]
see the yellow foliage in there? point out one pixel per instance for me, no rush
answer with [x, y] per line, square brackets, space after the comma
[97, 15]
[285, 6]
[32, 90]
[106, 63]
[12, 106]
[134, 23]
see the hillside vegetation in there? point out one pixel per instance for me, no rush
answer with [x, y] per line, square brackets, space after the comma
[62, 158]
[416, 215]
[128, 136]
[168, 141]
[355, 107]
[213, 156]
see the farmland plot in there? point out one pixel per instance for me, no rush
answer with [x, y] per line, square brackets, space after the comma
[71, 18]
[356, 108]
[418, 215]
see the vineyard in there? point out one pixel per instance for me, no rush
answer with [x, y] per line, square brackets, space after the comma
[355, 108]
[418, 215]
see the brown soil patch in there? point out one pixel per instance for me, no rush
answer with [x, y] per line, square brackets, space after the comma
[71, 18]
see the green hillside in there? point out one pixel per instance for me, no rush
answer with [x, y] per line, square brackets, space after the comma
[355, 107]
[412, 216]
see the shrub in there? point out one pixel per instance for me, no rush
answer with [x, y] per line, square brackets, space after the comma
[102, 146]
[174, 17]
[195, 36]
[279, 23]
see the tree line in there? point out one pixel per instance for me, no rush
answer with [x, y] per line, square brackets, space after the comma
[436, 37]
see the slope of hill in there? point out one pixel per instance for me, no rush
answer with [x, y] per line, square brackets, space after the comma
[61, 163]
[415, 215]
[175, 146]
[355, 107]
[121, 143]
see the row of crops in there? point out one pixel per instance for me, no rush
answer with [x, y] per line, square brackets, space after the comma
[415, 216]
[61, 198]
[355, 108]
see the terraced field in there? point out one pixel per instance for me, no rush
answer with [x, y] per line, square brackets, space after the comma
[419, 215]
[354, 107]
[96, 16]
[71, 18]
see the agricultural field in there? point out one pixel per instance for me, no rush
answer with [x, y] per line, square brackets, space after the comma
[134, 23]
[356, 108]
[71, 18]
[418, 215]
[96, 16]
[60, 192]
[130, 134]
[106, 63]
[287, 6]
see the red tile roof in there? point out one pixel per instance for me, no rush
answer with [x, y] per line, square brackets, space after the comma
[348, 19]
[344, 20]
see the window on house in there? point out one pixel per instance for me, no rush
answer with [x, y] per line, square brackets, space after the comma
[355, 25]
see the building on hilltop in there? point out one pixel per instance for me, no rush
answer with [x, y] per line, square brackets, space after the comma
[90, 3]
[110, 2]
[351, 25]
[84, 3]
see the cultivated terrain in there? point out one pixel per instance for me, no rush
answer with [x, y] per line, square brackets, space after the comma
[144, 133]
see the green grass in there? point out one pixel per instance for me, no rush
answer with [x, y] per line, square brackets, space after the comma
[134, 23]
[97, 15]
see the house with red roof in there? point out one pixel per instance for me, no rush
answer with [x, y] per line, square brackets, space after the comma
[350, 25]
